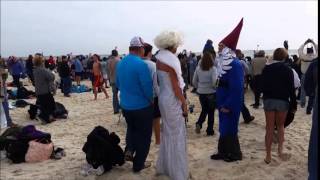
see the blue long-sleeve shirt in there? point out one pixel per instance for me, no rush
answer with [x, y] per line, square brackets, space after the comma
[134, 82]
[16, 68]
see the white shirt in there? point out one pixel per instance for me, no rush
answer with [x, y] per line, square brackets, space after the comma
[152, 68]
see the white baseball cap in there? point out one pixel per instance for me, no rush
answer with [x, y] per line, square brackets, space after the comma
[137, 42]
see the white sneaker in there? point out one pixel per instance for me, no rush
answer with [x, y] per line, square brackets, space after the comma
[85, 169]
[99, 171]
[3, 155]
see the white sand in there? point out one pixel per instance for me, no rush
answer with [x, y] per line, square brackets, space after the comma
[85, 114]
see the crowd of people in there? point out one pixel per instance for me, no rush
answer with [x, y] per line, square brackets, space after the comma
[153, 91]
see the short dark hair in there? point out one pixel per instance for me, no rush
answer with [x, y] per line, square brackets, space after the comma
[147, 49]
[238, 53]
[114, 53]
[206, 61]
[29, 58]
[260, 53]
[98, 57]
[280, 54]
[131, 48]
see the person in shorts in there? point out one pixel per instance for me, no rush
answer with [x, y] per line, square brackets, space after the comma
[156, 110]
[97, 77]
[278, 94]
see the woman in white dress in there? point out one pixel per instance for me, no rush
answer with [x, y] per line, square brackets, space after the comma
[172, 159]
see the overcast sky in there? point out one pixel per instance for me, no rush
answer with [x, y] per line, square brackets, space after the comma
[97, 27]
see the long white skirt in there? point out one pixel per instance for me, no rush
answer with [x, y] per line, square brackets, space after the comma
[172, 159]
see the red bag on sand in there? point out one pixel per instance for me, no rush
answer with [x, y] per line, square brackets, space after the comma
[38, 152]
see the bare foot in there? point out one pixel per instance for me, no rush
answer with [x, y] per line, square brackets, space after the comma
[267, 160]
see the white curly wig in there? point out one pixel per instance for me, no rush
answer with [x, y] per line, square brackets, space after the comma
[168, 39]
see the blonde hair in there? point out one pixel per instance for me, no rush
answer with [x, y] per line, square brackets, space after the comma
[38, 60]
[168, 39]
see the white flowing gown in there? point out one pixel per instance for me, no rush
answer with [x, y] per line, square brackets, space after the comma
[172, 160]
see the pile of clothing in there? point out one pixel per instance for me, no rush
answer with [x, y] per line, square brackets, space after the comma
[102, 151]
[27, 144]
[60, 111]
[21, 93]
[80, 89]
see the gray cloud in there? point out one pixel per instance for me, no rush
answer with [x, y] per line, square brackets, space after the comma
[83, 27]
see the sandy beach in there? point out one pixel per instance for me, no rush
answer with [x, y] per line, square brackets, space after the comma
[85, 114]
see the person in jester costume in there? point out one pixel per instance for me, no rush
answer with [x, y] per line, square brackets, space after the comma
[229, 97]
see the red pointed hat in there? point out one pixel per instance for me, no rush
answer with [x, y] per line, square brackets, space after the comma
[231, 40]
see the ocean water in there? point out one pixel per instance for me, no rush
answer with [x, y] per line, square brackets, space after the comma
[245, 52]
[268, 52]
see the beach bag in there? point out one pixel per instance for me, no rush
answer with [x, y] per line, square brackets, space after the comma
[60, 111]
[289, 118]
[16, 151]
[21, 103]
[103, 148]
[8, 136]
[38, 152]
[29, 133]
[23, 93]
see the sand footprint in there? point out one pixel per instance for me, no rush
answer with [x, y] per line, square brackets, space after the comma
[285, 156]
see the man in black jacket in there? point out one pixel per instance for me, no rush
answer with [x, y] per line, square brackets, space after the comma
[310, 83]
[64, 72]
[311, 88]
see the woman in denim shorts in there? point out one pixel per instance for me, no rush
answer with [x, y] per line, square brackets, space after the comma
[278, 94]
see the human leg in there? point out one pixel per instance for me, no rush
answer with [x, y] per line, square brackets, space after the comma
[47, 107]
[66, 86]
[204, 112]
[313, 145]
[246, 114]
[280, 118]
[211, 109]
[310, 104]
[270, 120]
[115, 101]
[104, 91]
[156, 128]
[143, 120]
[78, 78]
[16, 80]
[6, 112]
[129, 134]
[302, 93]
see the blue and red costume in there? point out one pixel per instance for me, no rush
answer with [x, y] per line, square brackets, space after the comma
[229, 98]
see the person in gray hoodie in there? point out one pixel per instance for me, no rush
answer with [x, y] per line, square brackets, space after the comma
[44, 80]
[204, 81]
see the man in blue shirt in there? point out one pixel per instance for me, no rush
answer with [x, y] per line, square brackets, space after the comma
[136, 96]
[16, 69]
[78, 68]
